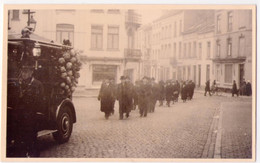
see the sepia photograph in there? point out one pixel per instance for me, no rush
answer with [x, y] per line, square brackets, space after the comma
[129, 82]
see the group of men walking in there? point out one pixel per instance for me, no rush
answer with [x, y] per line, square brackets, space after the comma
[142, 95]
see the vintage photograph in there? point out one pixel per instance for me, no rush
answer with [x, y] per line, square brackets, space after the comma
[129, 82]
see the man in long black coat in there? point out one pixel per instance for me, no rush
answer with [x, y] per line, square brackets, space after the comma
[161, 93]
[136, 94]
[144, 97]
[168, 92]
[184, 92]
[29, 103]
[125, 98]
[192, 87]
[248, 88]
[207, 88]
[107, 97]
[154, 95]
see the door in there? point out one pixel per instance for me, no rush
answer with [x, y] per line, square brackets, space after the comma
[241, 73]
[194, 74]
[207, 72]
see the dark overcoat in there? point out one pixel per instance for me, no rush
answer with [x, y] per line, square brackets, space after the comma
[169, 92]
[106, 96]
[125, 97]
[184, 92]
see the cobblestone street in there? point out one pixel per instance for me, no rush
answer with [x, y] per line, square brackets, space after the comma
[184, 130]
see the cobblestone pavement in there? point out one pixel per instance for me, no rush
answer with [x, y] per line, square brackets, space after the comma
[184, 130]
[236, 130]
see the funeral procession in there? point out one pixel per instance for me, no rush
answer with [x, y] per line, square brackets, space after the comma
[129, 83]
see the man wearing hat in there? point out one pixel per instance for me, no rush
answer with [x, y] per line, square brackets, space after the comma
[124, 97]
[144, 97]
[29, 102]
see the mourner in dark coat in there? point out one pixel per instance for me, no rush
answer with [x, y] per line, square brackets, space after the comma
[30, 101]
[207, 88]
[144, 97]
[125, 98]
[136, 94]
[192, 87]
[184, 92]
[114, 87]
[154, 95]
[168, 92]
[178, 87]
[234, 88]
[243, 88]
[248, 88]
[161, 93]
[106, 97]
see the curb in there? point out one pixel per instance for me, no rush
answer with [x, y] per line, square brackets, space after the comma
[217, 151]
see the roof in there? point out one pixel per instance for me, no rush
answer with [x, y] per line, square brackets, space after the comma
[14, 37]
[200, 28]
[168, 14]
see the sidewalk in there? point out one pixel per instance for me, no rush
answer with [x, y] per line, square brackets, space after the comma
[234, 138]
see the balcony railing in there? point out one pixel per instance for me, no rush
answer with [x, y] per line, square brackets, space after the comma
[132, 54]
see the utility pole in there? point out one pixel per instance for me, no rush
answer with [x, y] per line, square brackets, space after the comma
[29, 15]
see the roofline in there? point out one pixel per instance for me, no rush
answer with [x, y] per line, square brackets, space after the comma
[44, 43]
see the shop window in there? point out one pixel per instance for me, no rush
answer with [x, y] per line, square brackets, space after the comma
[102, 72]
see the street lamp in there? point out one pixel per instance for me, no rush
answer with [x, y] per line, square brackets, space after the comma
[33, 22]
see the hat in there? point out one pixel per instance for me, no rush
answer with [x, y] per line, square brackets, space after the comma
[122, 78]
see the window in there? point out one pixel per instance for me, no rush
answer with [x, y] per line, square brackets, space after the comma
[169, 50]
[218, 72]
[97, 11]
[113, 38]
[102, 72]
[242, 46]
[218, 24]
[180, 49]
[96, 37]
[200, 50]
[229, 47]
[170, 31]
[184, 50]
[194, 49]
[15, 15]
[228, 73]
[65, 32]
[175, 29]
[174, 50]
[230, 21]
[180, 30]
[113, 11]
[189, 50]
[218, 48]
[208, 49]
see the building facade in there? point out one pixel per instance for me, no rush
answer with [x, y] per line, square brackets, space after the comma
[233, 47]
[106, 39]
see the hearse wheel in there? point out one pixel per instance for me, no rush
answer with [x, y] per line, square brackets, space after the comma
[64, 125]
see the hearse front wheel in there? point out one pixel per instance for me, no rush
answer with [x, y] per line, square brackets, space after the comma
[64, 125]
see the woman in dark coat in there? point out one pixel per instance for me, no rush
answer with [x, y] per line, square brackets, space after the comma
[106, 97]
[184, 92]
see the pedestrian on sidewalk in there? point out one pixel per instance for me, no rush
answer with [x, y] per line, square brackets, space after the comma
[154, 95]
[234, 89]
[106, 97]
[207, 88]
